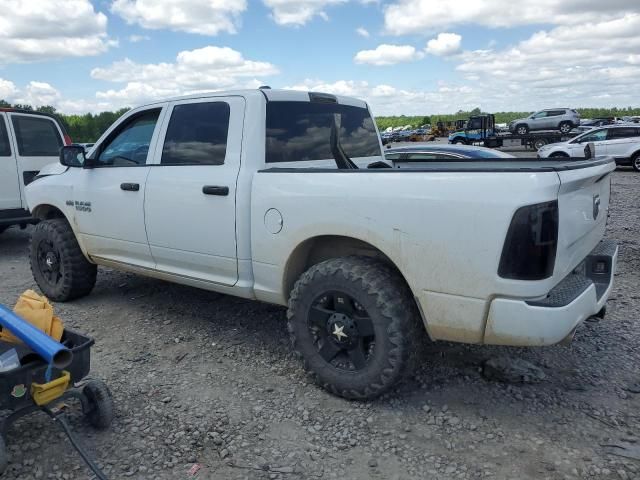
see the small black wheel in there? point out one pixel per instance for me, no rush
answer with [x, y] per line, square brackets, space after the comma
[538, 143]
[4, 456]
[58, 265]
[458, 141]
[565, 127]
[635, 162]
[355, 325]
[100, 404]
[522, 129]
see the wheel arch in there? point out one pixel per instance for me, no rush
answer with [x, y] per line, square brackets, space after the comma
[47, 212]
[317, 249]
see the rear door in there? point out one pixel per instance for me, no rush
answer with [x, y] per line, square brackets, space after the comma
[37, 140]
[9, 186]
[620, 140]
[190, 198]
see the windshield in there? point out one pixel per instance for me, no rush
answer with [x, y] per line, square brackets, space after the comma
[301, 132]
[591, 136]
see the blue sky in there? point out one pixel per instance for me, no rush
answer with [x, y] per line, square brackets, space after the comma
[413, 57]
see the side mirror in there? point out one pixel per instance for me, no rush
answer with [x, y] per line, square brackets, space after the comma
[72, 156]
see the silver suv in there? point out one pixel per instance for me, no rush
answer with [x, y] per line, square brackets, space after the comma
[563, 119]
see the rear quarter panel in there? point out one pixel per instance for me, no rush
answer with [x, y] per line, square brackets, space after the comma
[444, 231]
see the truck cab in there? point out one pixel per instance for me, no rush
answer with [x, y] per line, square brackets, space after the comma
[28, 141]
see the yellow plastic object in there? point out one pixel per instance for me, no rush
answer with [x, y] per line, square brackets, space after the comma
[36, 310]
[43, 393]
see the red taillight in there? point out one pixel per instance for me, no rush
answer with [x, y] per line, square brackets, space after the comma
[67, 139]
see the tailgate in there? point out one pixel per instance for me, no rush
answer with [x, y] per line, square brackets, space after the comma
[583, 204]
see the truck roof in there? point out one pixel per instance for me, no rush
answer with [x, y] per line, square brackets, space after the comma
[277, 95]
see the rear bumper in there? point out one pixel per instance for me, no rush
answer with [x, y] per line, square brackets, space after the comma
[549, 320]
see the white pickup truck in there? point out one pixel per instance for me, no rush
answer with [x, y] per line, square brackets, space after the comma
[267, 195]
[28, 141]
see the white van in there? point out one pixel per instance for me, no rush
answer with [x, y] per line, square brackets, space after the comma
[28, 141]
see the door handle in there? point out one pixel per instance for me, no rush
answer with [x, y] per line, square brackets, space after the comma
[215, 190]
[130, 187]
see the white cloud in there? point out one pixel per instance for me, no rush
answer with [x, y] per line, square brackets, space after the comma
[138, 38]
[298, 12]
[205, 17]
[363, 32]
[204, 69]
[7, 90]
[389, 100]
[568, 63]
[33, 31]
[387, 55]
[417, 16]
[444, 44]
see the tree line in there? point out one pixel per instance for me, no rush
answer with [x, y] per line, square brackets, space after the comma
[87, 128]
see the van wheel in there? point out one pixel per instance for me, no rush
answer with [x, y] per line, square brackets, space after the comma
[522, 129]
[565, 127]
[58, 265]
[354, 323]
[635, 162]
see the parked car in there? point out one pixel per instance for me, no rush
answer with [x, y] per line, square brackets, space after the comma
[417, 156]
[258, 194]
[563, 119]
[618, 141]
[28, 141]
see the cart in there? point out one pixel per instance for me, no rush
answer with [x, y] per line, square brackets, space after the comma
[24, 390]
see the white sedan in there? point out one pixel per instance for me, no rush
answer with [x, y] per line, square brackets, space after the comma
[621, 142]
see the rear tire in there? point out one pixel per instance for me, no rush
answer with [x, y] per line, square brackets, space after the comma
[58, 265]
[565, 127]
[635, 162]
[355, 325]
[522, 129]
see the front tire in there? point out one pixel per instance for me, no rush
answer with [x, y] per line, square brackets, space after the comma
[58, 265]
[635, 162]
[354, 323]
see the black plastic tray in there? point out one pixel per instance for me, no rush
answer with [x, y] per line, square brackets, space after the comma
[15, 385]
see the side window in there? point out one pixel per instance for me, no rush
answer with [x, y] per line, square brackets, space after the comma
[540, 115]
[556, 113]
[5, 148]
[197, 134]
[36, 136]
[129, 144]
[393, 157]
[618, 133]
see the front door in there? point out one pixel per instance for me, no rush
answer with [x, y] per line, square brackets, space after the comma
[190, 204]
[597, 137]
[9, 186]
[109, 196]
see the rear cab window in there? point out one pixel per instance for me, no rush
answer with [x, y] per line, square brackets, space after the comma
[36, 136]
[299, 134]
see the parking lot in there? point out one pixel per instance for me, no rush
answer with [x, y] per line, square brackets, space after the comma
[210, 380]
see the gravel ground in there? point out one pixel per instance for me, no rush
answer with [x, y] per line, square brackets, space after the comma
[201, 378]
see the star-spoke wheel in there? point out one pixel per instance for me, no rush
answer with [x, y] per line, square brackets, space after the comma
[342, 330]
